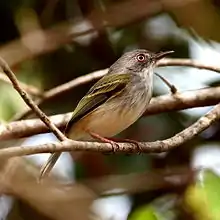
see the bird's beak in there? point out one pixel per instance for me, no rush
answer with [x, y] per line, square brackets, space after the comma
[161, 55]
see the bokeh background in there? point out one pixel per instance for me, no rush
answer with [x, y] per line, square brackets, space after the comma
[50, 42]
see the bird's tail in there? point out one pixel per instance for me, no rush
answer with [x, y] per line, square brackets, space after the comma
[48, 166]
[45, 170]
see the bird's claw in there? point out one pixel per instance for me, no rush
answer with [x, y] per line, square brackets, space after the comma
[115, 146]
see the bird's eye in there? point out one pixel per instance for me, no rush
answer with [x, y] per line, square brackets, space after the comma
[141, 57]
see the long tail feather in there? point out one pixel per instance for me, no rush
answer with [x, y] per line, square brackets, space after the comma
[45, 170]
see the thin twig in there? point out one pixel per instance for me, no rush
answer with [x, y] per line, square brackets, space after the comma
[62, 89]
[34, 91]
[98, 74]
[160, 104]
[30, 103]
[143, 147]
[189, 63]
[173, 89]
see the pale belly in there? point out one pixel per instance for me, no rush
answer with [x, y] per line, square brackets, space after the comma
[107, 121]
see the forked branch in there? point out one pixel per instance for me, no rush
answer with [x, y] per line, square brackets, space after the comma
[143, 147]
[160, 104]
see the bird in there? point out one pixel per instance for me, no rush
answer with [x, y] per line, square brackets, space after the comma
[114, 102]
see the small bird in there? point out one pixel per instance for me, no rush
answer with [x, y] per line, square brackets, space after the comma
[115, 102]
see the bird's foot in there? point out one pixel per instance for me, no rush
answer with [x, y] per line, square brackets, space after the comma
[115, 145]
[128, 141]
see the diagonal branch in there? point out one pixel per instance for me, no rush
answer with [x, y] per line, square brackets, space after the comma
[160, 104]
[62, 89]
[32, 105]
[143, 147]
[34, 91]
[100, 73]
[172, 88]
[29, 102]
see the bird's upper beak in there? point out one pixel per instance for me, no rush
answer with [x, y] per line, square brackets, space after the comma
[161, 55]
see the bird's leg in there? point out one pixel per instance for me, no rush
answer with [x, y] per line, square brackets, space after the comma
[115, 146]
[128, 141]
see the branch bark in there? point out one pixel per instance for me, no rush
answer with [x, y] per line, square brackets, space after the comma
[32, 105]
[50, 198]
[29, 101]
[32, 90]
[160, 104]
[143, 147]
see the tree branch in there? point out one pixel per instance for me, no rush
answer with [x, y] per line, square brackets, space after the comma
[48, 95]
[160, 104]
[29, 102]
[141, 182]
[33, 106]
[160, 145]
[98, 74]
[143, 147]
[32, 90]
[185, 100]
[189, 63]
[172, 88]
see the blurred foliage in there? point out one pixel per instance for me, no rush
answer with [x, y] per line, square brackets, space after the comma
[10, 102]
[154, 25]
[145, 213]
[203, 198]
[162, 208]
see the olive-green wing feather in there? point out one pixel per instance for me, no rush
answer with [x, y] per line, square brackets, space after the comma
[106, 88]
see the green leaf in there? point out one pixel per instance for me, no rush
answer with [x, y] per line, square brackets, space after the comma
[143, 213]
[204, 197]
[162, 208]
[10, 102]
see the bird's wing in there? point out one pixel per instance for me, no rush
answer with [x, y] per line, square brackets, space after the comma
[106, 88]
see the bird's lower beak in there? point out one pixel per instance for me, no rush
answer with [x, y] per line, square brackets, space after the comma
[161, 55]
